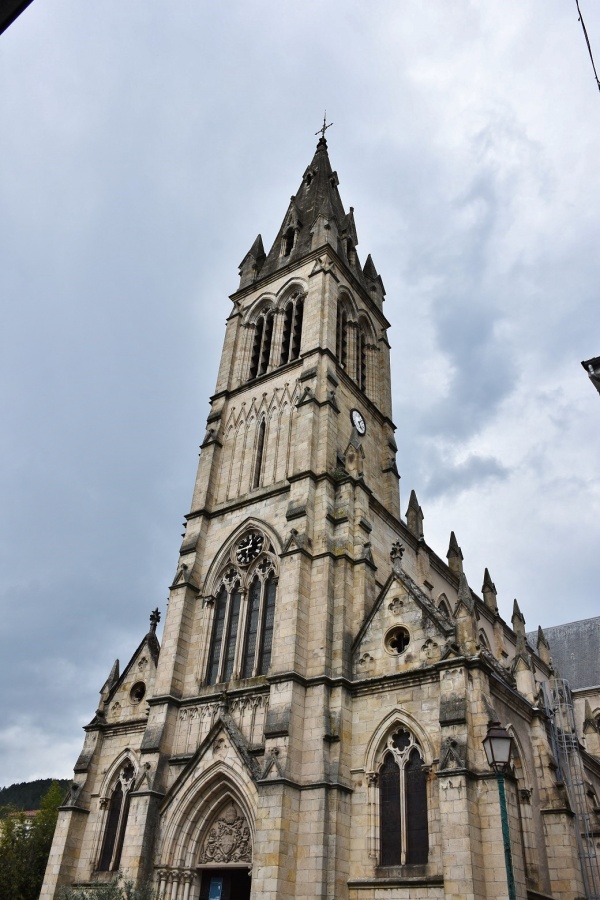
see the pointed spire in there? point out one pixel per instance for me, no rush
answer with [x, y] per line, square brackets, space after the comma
[414, 516]
[108, 685]
[518, 620]
[454, 555]
[318, 217]
[466, 618]
[252, 263]
[374, 282]
[588, 716]
[369, 270]
[113, 676]
[543, 647]
[464, 593]
[488, 590]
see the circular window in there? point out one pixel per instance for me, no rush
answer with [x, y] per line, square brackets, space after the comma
[137, 692]
[397, 640]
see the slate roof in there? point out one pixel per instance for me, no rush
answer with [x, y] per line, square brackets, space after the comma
[317, 195]
[575, 651]
[592, 367]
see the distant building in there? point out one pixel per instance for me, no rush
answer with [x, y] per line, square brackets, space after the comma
[312, 725]
[10, 10]
[592, 367]
[575, 653]
[26, 816]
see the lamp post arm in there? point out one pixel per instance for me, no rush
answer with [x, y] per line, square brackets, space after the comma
[510, 876]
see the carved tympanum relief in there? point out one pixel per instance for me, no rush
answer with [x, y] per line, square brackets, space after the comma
[228, 839]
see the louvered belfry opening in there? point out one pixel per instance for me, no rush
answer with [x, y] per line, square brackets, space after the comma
[341, 349]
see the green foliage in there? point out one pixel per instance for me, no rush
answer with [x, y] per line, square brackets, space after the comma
[25, 846]
[118, 889]
[28, 794]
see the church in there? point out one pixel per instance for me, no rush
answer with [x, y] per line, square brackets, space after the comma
[312, 724]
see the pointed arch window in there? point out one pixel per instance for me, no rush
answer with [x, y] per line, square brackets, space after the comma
[444, 606]
[259, 625]
[361, 359]
[225, 629]
[404, 836]
[265, 350]
[341, 346]
[243, 621]
[117, 807]
[289, 239]
[260, 449]
[297, 328]
[256, 345]
[483, 641]
[291, 338]
[261, 345]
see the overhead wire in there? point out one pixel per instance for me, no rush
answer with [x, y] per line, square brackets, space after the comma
[587, 40]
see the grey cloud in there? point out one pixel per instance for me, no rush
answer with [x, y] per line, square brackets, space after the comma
[138, 165]
[451, 480]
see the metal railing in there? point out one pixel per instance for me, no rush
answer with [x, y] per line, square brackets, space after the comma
[560, 709]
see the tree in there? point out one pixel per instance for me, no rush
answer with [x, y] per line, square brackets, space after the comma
[117, 889]
[25, 847]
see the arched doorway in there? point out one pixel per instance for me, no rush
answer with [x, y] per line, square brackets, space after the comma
[225, 884]
[226, 856]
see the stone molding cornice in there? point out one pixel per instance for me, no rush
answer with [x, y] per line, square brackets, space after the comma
[131, 727]
[311, 786]
[360, 396]
[314, 254]
[371, 884]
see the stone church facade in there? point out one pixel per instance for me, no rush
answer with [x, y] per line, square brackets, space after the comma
[312, 724]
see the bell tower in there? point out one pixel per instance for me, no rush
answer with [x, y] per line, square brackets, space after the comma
[297, 488]
[313, 723]
[244, 759]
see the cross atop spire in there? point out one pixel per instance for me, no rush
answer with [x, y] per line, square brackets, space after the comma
[324, 127]
[154, 619]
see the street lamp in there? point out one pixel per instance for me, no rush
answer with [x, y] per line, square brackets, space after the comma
[498, 745]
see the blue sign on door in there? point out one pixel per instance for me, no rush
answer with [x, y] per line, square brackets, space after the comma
[216, 889]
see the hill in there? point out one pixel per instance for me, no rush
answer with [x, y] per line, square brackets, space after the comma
[28, 794]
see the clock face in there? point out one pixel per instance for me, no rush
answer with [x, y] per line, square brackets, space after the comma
[358, 421]
[248, 548]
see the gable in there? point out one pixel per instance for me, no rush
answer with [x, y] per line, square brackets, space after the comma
[223, 747]
[128, 697]
[404, 631]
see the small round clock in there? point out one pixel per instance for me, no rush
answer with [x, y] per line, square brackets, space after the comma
[248, 548]
[358, 421]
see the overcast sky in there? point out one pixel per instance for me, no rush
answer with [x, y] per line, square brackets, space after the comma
[142, 147]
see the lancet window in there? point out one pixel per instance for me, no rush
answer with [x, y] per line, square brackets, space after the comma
[289, 239]
[292, 329]
[353, 345]
[361, 359]
[444, 606]
[404, 837]
[244, 614]
[117, 811]
[341, 346]
[288, 343]
[260, 450]
[261, 346]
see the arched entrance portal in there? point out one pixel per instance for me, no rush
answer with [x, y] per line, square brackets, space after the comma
[225, 884]
[226, 856]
